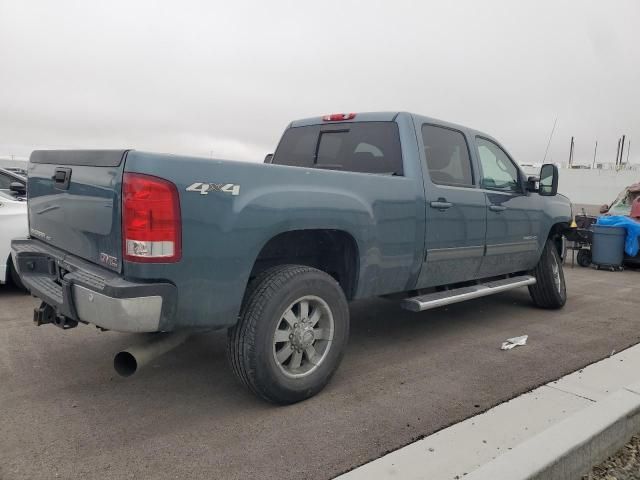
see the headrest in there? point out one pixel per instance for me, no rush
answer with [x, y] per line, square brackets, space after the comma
[438, 158]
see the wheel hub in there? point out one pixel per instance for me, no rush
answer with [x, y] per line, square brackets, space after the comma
[302, 335]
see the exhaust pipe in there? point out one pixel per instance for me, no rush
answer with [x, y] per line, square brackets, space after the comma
[127, 362]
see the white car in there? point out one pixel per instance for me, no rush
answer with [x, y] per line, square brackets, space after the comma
[13, 224]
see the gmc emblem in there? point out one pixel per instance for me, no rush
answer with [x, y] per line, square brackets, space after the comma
[109, 260]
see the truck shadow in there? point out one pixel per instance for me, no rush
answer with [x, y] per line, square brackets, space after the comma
[198, 370]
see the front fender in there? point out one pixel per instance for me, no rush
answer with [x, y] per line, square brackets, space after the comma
[558, 216]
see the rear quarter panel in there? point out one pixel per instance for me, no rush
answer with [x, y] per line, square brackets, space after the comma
[222, 234]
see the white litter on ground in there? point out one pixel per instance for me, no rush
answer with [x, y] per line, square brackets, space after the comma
[514, 342]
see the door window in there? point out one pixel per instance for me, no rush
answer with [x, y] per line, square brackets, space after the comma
[498, 171]
[447, 155]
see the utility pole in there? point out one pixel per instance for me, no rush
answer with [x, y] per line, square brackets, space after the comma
[594, 155]
[622, 149]
[628, 149]
[618, 152]
[571, 154]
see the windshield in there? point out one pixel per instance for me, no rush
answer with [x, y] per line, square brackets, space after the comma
[622, 204]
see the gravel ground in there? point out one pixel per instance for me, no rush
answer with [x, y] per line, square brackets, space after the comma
[624, 465]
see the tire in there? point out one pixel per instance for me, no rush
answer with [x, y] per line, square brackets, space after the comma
[550, 289]
[584, 257]
[13, 275]
[269, 346]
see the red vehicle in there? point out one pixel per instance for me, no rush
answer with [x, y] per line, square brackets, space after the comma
[627, 203]
[623, 202]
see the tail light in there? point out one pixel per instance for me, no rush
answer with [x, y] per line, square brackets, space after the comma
[338, 117]
[151, 227]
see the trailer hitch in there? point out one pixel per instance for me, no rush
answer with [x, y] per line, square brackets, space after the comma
[45, 313]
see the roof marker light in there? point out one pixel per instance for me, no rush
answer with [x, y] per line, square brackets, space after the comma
[338, 117]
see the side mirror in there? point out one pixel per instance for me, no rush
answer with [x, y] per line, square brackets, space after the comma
[18, 188]
[548, 180]
[268, 158]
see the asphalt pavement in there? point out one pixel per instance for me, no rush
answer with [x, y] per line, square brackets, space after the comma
[64, 413]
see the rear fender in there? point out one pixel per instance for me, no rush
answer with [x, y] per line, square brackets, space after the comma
[224, 232]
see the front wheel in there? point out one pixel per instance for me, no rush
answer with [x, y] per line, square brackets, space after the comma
[550, 289]
[291, 334]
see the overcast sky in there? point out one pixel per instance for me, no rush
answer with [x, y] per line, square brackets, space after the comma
[225, 78]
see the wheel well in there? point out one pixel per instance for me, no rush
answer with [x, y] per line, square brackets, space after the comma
[557, 235]
[332, 251]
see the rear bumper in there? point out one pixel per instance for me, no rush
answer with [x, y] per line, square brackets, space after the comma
[85, 292]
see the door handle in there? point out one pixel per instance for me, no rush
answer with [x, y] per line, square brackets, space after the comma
[440, 205]
[61, 178]
[497, 208]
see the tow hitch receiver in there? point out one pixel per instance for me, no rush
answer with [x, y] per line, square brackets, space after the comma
[45, 313]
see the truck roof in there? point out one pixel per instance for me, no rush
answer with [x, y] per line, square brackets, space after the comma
[359, 117]
[386, 117]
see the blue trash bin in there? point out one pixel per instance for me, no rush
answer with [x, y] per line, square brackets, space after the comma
[607, 249]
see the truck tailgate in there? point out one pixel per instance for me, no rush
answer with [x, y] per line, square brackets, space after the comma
[75, 202]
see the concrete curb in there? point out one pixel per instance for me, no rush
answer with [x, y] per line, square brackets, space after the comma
[571, 447]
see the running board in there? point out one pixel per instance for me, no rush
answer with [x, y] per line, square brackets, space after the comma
[447, 297]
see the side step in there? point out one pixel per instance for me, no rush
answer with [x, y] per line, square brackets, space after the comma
[438, 299]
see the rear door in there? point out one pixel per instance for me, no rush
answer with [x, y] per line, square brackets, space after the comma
[456, 209]
[513, 220]
[75, 202]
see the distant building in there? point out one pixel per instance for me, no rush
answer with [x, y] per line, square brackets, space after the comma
[13, 162]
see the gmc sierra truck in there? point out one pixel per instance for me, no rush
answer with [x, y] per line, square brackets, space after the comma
[349, 206]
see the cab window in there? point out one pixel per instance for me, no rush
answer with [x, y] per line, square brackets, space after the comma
[366, 147]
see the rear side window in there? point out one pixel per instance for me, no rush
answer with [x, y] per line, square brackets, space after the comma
[367, 147]
[447, 156]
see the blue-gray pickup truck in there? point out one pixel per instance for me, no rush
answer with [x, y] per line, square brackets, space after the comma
[349, 206]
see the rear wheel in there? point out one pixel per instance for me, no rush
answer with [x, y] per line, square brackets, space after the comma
[550, 290]
[291, 334]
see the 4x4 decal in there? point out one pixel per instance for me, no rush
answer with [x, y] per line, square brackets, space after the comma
[205, 188]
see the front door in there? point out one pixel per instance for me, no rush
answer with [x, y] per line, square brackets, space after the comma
[456, 210]
[513, 221]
